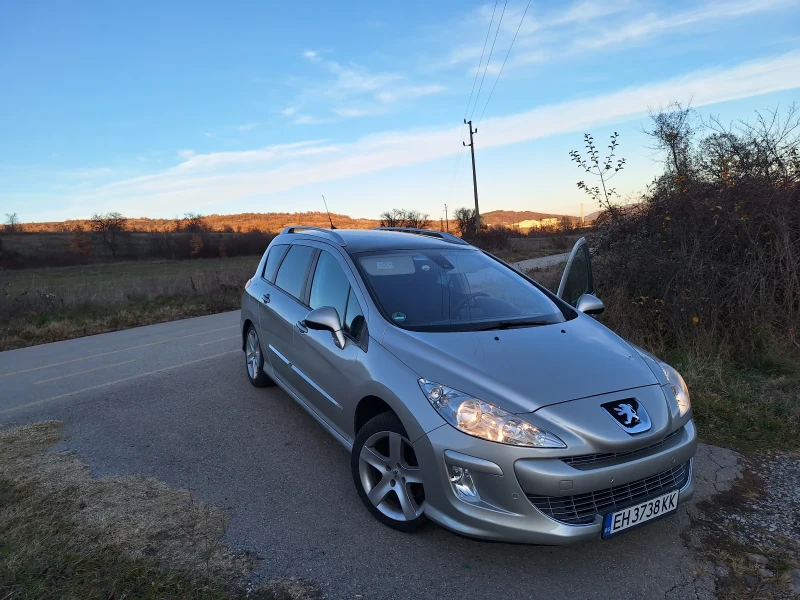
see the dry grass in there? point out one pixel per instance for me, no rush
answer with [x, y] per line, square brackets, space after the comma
[42, 328]
[66, 535]
[47, 305]
[110, 283]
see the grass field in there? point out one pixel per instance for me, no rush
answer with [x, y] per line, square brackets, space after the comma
[106, 282]
[46, 305]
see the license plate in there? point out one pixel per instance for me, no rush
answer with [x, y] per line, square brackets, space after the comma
[632, 516]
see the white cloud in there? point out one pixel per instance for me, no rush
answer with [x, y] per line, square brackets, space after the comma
[246, 127]
[204, 179]
[186, 154]
[289, 111]
[650, 24]
[354, 90]
[591, 25]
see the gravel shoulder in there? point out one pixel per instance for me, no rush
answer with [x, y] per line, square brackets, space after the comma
[747, 538]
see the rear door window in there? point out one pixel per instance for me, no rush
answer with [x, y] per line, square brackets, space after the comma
[292, 272]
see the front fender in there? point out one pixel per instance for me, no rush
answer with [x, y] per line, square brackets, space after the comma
[396, 384]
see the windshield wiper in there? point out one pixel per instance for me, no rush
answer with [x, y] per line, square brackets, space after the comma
[512, 324]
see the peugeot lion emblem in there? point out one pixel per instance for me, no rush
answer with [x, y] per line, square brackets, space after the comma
[628, 414]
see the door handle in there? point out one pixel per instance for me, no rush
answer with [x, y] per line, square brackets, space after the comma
[265, 298]
[300, 327]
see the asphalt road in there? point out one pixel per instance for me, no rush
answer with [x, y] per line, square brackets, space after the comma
[541, 262]
[172, 401]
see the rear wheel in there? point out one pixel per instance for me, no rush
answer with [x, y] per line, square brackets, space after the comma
[254, 359]
[387, 475]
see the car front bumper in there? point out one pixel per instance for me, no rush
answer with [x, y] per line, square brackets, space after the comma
[509, 479]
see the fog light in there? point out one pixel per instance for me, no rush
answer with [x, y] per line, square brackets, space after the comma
[463, 485]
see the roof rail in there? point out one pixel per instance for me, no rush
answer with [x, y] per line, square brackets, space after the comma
[315, 230]
[446, 237]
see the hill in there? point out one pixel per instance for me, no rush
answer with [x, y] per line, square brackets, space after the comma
[239, 223]
[274, 222]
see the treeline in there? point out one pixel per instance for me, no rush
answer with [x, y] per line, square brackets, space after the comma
[81, 247]
[238, 223]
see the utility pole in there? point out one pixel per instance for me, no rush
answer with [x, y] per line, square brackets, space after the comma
[474, 177]
[446, 222]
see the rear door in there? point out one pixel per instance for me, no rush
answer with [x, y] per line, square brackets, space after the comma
[325, 372]
[577, 278]
[260, 289]
[282, 304]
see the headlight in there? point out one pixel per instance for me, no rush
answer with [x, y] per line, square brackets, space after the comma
[678, 386]
[485, 420]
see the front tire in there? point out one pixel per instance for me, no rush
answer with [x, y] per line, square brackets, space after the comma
[387, 475]
[254, 359]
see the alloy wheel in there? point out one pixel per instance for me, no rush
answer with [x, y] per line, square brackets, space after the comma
[253, 354]
[391, 476]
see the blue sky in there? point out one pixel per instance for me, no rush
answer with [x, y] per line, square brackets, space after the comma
[162, 108]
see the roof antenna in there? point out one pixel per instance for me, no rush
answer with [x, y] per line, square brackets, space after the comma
[327, 211]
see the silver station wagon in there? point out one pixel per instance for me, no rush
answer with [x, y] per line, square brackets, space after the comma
[467, 393]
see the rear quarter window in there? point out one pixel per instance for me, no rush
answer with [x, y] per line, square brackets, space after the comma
[276, 254]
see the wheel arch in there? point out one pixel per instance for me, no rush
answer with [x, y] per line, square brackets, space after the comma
[368, 408]
[245, 326]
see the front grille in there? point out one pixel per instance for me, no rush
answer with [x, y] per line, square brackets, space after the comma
[582, 509]
[585, 459]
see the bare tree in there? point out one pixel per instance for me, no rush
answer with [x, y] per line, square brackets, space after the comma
[191, 222]
[416, 219]
[80, 244]
[465, 221]
[393, 218]
[110, 226]
[567, 224]
[605, 169]
[673, 130]
[401, 217]
[12, 223]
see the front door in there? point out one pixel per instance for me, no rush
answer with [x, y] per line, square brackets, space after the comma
[577, 278]
[327, 373]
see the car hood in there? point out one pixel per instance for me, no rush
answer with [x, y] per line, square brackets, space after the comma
[524, 369]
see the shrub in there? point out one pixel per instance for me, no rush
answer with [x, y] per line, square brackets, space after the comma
[712, 250]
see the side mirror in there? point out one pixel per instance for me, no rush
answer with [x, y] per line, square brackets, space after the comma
[326, 318]
[590, 305]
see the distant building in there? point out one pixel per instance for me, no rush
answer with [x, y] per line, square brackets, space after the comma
[529, 224]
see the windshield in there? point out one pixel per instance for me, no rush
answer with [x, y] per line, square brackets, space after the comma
[452, 290]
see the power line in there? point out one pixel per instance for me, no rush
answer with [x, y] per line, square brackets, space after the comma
[469, 102]
[478, 70]
[488, 60]
[504, 61]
